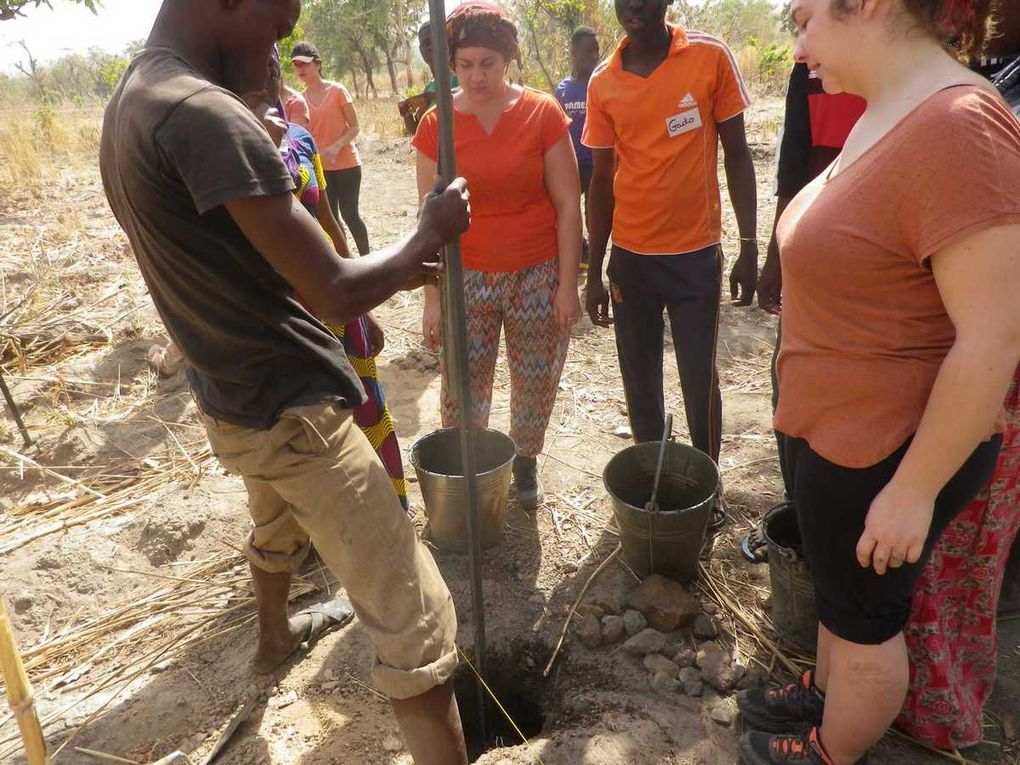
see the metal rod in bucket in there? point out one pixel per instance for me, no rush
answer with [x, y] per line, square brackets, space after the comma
[653, 504]
[455, 342]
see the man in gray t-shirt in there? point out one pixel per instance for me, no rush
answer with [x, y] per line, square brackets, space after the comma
[206, 201]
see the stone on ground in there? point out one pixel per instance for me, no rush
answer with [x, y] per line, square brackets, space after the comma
[658, 664]
[664, 683]
[645, 642]
[694, 689]
[716, 667]
[634, 622]
[686, 657]
[613, 629]
[664, 603]
[690, 675]
[589, 631]
[705, 628]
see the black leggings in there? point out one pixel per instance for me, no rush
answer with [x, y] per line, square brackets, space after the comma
[344, 189]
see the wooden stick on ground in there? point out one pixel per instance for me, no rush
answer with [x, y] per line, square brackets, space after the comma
[19, 693]
[105, 756]
[62, 478]
[566, 625]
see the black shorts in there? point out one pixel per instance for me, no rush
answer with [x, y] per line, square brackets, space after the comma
[855, 603]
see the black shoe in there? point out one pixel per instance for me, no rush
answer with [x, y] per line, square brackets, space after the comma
[785, 749]
[797, 707]
[526, 483]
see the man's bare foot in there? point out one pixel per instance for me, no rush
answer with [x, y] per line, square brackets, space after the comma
[307, 626]
[274, 650]
[166, 361]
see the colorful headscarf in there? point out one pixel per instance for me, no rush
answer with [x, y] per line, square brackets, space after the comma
[479, 24]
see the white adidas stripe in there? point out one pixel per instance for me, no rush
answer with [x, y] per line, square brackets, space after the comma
[706, 39]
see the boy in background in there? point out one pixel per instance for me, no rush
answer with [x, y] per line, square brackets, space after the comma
[572, 93]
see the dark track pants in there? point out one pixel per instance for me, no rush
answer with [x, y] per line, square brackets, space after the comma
[687, 286]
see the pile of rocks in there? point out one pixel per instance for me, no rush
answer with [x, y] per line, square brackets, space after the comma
[673, 635]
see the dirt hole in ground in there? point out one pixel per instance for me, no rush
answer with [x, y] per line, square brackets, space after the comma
[515, 679]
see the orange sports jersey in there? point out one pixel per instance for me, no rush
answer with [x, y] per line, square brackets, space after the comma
[513, 222]
[663, 128]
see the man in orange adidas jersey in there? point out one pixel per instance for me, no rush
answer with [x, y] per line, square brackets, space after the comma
[660, 105]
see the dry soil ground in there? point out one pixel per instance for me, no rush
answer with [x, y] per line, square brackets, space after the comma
[131, 602]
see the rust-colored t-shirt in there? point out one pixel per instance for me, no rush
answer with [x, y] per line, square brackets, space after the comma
[865, 331]
[513, 222]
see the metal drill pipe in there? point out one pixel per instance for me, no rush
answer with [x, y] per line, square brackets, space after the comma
[455, 344]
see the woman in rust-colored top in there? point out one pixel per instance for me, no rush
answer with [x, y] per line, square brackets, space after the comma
[901, 332]
[522, 252]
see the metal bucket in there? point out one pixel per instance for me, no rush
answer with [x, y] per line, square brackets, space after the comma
[437, 462]
[669, 541]
[793, 592]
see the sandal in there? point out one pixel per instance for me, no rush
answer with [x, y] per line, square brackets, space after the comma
[754, 547]
[323, 618]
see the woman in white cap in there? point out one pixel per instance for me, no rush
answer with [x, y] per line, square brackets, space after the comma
[333, 122]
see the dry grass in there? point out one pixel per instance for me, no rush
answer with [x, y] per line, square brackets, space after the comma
[36, 141]
[102, 656]
[379, 118]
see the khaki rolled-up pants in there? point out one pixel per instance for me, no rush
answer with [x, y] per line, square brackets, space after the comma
[313, 478]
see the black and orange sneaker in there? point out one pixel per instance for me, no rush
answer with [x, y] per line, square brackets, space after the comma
[793, 708]
[758, 748]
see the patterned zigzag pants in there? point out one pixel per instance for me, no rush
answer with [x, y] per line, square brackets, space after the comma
[521, 302]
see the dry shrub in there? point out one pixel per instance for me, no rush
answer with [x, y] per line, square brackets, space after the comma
[379, 117]
[766, 68]
[20, 159]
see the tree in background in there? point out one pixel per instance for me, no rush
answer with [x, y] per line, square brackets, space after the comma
[545, 27]
[78, 78]
[753, 29]
[360, 38]
[394, 33]
[11, 9]
[345, 33]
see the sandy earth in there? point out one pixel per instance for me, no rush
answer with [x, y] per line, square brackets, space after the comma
[98, 412]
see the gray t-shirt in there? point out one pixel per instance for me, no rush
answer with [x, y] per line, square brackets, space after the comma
[175, 147]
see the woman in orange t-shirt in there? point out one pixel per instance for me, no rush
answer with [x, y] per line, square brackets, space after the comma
[901, 334]
[522, 252]
[333, 123]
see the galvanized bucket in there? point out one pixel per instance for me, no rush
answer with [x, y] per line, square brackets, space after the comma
[436, 459]
[668, 541]
[793, 592]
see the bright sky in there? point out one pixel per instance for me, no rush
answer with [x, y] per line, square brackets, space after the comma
[51, 34]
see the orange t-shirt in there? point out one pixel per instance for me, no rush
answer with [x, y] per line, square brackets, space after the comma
[663, 128]
[328, 122]
[865, 331]
[513, 222]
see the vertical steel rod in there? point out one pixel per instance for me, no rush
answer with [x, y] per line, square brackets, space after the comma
[14, 410]
[455, 345]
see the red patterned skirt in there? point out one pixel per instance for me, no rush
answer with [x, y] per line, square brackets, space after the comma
[952, 630]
